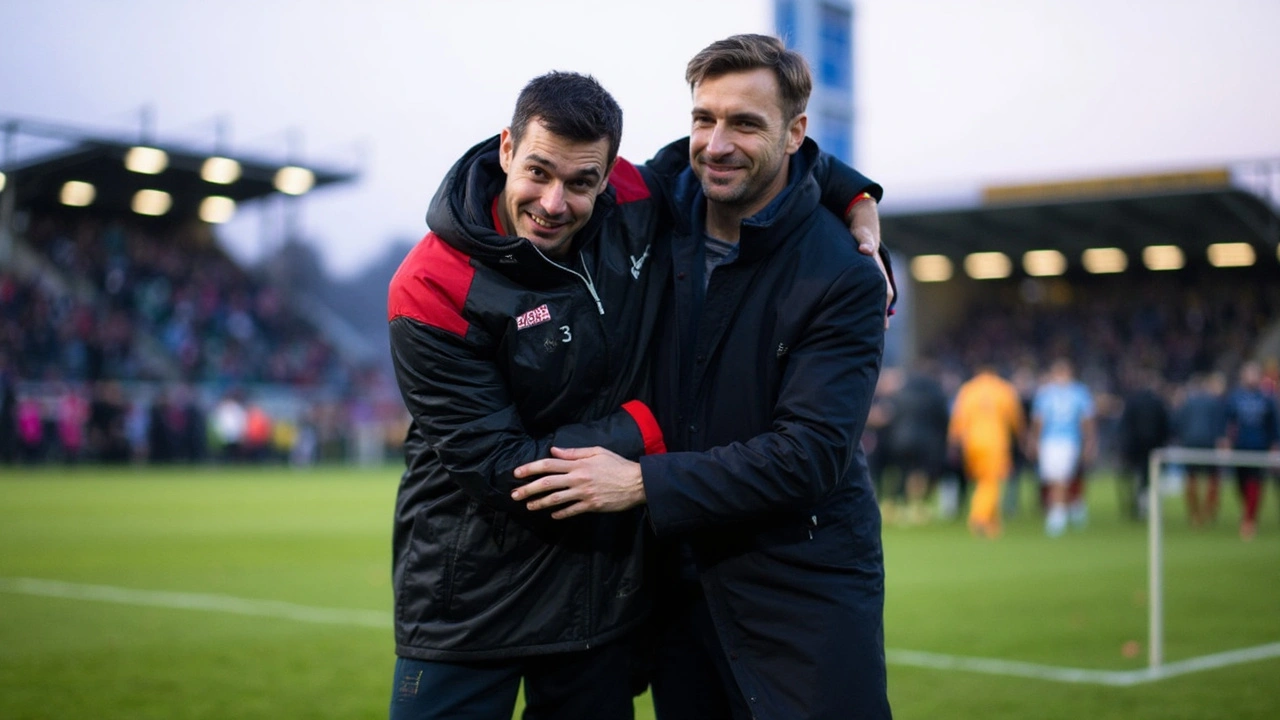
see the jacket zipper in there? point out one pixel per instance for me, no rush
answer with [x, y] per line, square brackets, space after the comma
[591, 288]
[586, 280]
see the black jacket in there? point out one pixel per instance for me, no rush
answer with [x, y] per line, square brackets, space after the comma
[501, 353]
[762, 391]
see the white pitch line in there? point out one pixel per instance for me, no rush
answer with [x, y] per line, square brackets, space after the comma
[196, 601]
[382, 620]
[1115, 678]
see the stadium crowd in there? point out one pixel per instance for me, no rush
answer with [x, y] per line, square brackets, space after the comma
[130, 336]
[205, 317]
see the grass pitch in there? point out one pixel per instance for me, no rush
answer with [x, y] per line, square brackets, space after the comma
[274, 544]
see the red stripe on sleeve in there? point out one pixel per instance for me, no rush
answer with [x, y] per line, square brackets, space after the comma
[648, 424]
[861, 196]
[628, 183]
[431, 286]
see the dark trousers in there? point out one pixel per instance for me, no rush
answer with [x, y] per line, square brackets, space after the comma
[590, 685]
[690, 677]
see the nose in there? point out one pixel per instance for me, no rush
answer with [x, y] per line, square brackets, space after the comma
[552, 201]
[720, 143]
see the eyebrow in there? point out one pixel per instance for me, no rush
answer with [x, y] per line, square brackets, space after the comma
[758, 118]
[591, 171]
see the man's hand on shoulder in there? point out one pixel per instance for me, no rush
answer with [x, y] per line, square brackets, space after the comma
[864, 225]
[580, 480]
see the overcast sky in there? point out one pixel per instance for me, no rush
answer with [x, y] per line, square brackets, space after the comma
[950, 94]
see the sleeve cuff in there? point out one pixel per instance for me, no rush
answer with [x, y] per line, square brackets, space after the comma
[648, 424]
[860, 197]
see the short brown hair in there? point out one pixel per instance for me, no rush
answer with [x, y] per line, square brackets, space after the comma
[750, 52]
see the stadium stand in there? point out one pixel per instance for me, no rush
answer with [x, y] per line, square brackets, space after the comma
[133, 319]
[1173, 272]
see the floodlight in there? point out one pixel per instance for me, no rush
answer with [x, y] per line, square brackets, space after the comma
[294, 180]
[152, 202]
[1043, 263]
[1104, 260]
[146, 160]
[988, 265]
[1237, 254]
[216, 209]
[220, 170]
[3, 179]
[1163, 257]
[77, 193]
[931, 268]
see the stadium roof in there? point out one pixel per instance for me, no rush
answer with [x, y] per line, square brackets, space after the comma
[1191, 210]
[73, 155]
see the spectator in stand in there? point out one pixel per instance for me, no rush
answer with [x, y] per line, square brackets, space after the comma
[1199, 422]
[107, 440]
[30, 430]
[229, 424]
[986, 419]
[1063, 442]
[257, 433]
[8, 412]
[73, 421]
[1144, 426]
[1251, 425]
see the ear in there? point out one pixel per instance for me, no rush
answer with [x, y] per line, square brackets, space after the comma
[506, 149]
[795, 132]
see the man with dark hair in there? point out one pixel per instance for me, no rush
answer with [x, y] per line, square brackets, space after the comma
[773, 595]
[515, 326]
[522, 321]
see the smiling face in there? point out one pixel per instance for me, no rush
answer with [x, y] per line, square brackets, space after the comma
[552, 184]
[740, 142]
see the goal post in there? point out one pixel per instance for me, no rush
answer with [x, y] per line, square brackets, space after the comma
[1160, 457]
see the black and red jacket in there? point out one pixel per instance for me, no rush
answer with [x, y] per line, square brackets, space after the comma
[501, 353]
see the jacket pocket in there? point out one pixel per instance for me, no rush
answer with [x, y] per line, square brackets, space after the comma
[427, 586]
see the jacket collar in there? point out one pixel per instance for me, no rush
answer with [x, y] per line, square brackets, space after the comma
[761, 233]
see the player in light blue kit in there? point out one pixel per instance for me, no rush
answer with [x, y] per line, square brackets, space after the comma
[1063, 440]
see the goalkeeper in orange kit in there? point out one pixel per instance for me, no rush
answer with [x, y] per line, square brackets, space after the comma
[986, 420]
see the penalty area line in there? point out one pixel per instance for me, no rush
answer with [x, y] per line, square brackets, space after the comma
[196, 601]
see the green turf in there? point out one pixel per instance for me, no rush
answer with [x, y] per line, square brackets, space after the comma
[321, 539]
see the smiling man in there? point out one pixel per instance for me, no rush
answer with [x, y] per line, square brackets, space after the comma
[515, 325]
[772, 597]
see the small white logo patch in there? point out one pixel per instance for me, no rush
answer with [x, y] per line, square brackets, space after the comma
[637, 263]
[536, 316]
